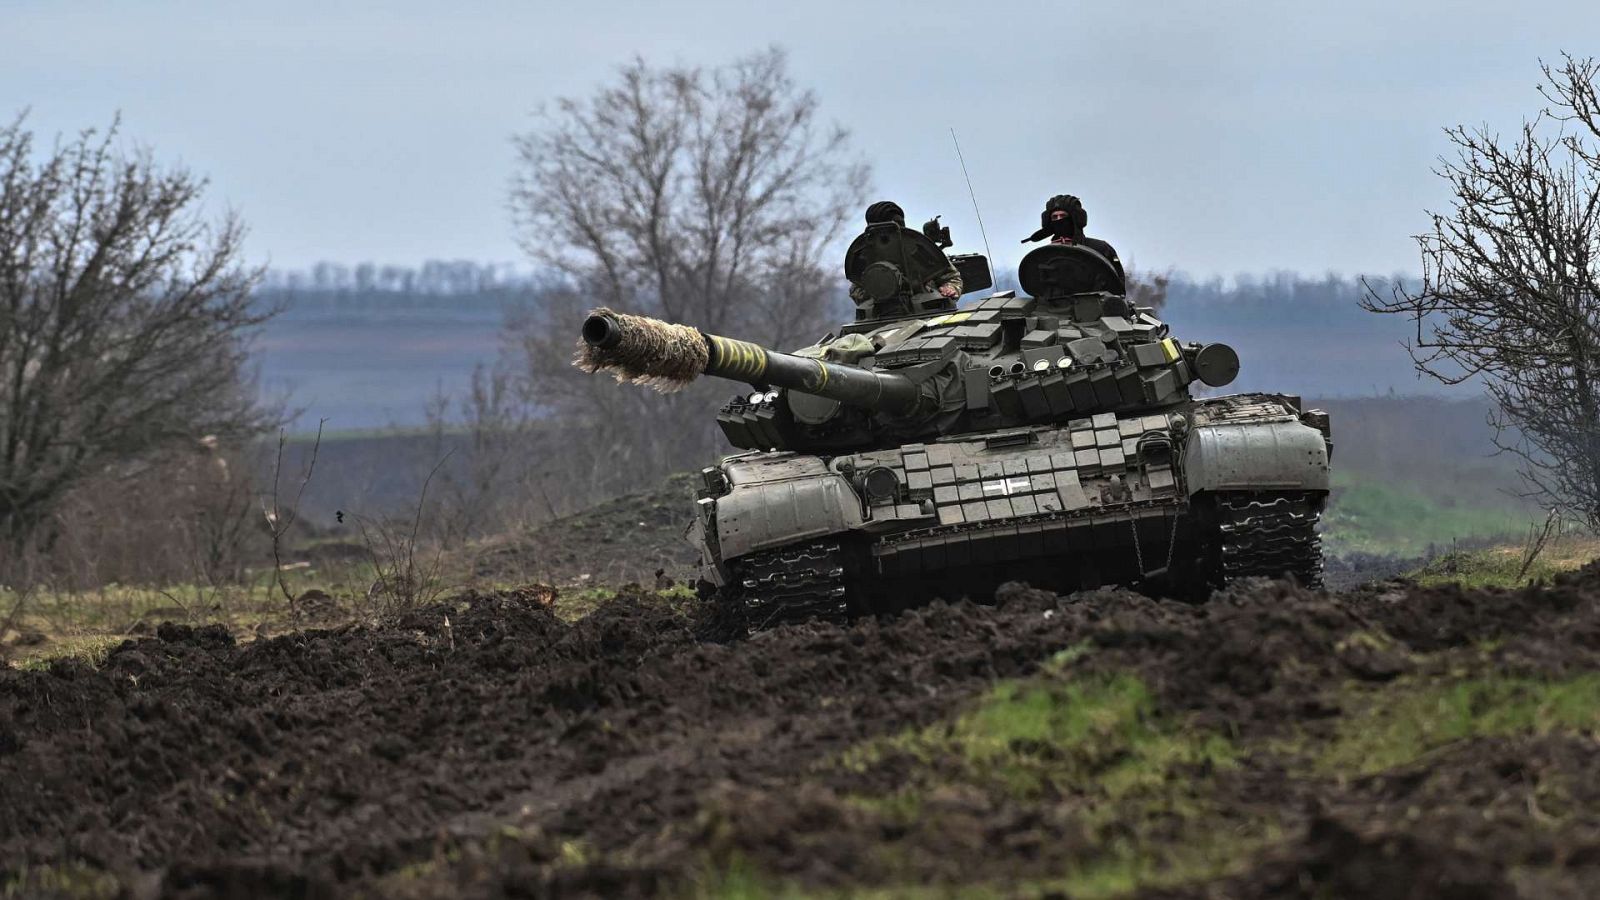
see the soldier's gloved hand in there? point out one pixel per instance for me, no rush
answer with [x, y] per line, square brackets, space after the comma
[948, 291]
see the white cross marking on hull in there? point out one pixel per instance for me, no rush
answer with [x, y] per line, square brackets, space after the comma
[1007, 487]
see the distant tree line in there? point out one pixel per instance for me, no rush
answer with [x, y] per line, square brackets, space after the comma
[1315, 300]
[435, 277]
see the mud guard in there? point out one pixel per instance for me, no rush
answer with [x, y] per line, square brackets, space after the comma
[1255, 456]
[770, 514]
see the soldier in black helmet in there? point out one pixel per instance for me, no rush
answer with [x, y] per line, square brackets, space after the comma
[1062, 222]
[947, 283]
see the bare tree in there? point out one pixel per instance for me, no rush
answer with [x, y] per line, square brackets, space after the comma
[1509, 292]
[700, 196]
[123, 317]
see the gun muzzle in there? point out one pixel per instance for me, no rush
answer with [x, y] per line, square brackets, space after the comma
[642, 350]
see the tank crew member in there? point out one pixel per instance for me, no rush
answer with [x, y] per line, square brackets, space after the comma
[1062, 221]
[947, 283]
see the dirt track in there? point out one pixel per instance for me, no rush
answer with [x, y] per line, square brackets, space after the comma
[508, 754]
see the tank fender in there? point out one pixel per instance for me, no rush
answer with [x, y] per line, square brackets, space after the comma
[1255, 456]
[769, 514]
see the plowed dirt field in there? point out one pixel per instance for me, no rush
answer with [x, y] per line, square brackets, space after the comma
[1385, 742]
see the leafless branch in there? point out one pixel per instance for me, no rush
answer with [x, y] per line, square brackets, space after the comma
[1538, 539]
[281, 519]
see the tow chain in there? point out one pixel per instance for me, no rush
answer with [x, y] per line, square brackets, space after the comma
[1138, 550]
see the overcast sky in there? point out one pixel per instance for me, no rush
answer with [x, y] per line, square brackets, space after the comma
[1216, 137]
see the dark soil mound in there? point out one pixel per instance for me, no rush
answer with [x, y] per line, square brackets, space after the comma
[484, 748]
[625, 539]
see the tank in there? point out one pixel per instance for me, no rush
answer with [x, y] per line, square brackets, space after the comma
[1064, 438]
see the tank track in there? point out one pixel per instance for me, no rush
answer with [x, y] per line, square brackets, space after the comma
[791, 584]
[1266, 535]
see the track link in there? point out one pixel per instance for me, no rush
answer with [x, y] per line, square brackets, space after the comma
[792, 584]
[1269, 535]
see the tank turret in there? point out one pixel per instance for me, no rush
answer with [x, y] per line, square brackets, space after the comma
[1004, 362]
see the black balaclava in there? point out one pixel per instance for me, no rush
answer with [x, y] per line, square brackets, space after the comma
[1070, 227]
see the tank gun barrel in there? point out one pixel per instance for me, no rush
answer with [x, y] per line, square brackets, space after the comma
[642, 349]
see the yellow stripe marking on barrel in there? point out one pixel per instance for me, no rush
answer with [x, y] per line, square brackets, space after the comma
[758, 361]
[740, 359]
[724, 355]
[822, 376]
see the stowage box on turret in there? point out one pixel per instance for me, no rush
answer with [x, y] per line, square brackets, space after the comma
[927, 451]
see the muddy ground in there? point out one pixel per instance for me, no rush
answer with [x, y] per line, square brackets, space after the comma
[1386, 742]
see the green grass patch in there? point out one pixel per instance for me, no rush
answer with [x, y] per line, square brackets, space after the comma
[1403, 722]
[86, 624]
[1095, 742]
[740, 880]
[1369, 516]
[1140, 782]
[90, 648]
[1056, 733]
[1046, 734]
[1501, 566]
[114, 607]
[1128, 867]
[572, 604]
[74, 880]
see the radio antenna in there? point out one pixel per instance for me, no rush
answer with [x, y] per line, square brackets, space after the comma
[988, 255]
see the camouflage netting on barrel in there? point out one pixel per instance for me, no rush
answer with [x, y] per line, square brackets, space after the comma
[648, 351]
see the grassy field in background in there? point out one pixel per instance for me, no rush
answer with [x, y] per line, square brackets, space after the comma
[1506, 565]
[1368, 515]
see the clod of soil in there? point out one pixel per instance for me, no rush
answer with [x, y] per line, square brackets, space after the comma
[1274, 742]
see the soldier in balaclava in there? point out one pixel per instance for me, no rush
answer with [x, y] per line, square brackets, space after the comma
[947, 283]
[1062, 222]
